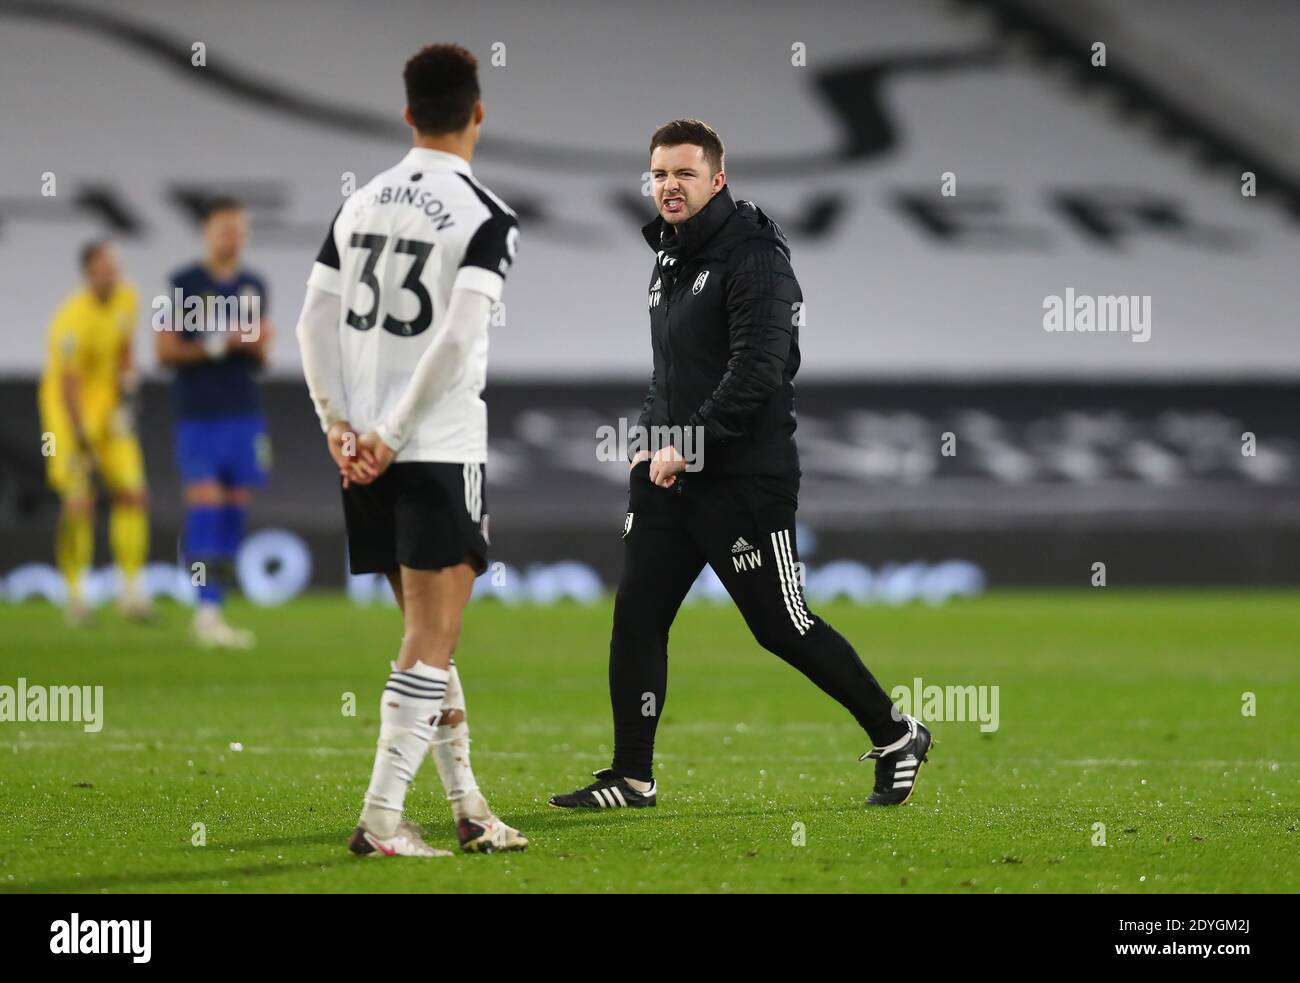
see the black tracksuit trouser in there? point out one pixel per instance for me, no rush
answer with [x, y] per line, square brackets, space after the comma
[743, 527]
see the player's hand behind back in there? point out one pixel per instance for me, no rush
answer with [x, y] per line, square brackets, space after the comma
[343, 441]
[360, 458]
[374, 458]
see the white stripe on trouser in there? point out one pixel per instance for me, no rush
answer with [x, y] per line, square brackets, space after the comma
[795, 586]
[785, 588]
[789, 584]
[472, 475]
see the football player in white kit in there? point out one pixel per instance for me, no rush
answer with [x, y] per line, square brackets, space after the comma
[394, 343]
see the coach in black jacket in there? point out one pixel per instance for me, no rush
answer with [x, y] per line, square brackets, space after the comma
[724, 307]
[719, 482]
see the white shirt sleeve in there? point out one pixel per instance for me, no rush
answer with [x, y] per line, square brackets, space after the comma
[322, 362]
[467, 312]
[325, 271]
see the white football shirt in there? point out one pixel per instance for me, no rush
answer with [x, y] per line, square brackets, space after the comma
[396, 250]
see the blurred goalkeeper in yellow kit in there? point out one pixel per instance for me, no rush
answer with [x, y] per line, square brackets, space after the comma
[86, 398]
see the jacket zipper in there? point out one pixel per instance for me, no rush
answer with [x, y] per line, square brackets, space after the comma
[668, 349]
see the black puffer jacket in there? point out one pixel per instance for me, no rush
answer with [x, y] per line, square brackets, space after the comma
[726, 343]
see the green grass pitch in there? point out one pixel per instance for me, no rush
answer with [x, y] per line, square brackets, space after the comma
[1120, 708]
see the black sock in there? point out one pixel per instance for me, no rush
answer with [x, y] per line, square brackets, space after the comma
[638, 680]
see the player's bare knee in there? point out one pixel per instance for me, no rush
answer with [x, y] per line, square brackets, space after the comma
[395, 582]
[445, 628]
[433, 642]
[76, 506]
[204, 493]
[452, 717]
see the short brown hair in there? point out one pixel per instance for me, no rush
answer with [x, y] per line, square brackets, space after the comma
[694, 132]
[90, 250]
[441, 88]
[218, 204]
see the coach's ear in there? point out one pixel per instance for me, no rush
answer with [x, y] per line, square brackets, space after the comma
[406, 115]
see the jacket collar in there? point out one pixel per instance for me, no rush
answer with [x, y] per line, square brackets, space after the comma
[687, 238]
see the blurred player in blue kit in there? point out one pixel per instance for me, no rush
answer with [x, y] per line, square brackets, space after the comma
[217, 342]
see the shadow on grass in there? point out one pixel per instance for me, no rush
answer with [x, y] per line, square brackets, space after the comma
[556, 819]
[340, 838]
[234, 875]
[531, 821]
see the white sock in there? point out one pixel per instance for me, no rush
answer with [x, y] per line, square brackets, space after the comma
[207, 613]
[450, 749]
[411, 702]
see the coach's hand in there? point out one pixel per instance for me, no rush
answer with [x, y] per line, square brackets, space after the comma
[666, 465]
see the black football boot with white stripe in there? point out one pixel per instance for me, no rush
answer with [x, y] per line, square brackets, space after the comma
[608, 791]
[899, 764]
